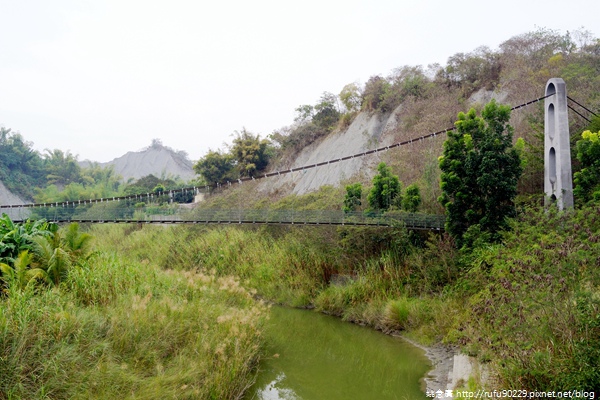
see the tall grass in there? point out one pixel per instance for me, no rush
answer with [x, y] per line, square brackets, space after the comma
[283, 266]
[131, 319]
[515, 304]
[295, 266]
[122, 328]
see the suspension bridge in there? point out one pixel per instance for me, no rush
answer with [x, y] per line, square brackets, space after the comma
[142, 209]
[145, 215]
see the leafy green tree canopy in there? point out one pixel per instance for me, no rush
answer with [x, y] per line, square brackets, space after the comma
[62, 167]
[594, 125]
[411, 199]
[215, 167]
[21, 167]
[480, 169]
[158, 189]
[480, 68]
[15, 237]
[350, 97]
[250, 152]
[96, 182]
[15, 152]
[353, 197]
[149, 184]
[304, 113]
[374, 92]
[324, 115]
[587, 180]
[37, 252]
[326, 112]
[386, 189]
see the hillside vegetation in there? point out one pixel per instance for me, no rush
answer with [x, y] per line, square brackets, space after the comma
[519, 291]
[413, 101]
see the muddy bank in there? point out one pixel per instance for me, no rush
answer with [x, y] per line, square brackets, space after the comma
[442, 361]
[451, 369]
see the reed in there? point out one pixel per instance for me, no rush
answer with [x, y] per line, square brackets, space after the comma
[118, 327]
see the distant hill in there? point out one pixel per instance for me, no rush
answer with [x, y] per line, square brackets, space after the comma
[158, 160]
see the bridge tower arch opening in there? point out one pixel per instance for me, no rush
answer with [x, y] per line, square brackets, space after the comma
[558, 181]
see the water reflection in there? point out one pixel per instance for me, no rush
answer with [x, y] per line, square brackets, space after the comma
[319, 357]
[273, 391]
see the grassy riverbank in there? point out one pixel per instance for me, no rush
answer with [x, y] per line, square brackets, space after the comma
[528, 307]
[371, 276]
[121, 327]
[156, 312]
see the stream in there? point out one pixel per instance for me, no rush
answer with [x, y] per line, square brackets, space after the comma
[314, 356]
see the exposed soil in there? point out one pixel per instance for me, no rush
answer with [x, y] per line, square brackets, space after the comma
[160, 161]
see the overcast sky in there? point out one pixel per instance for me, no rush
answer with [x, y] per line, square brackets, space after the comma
[103, 77]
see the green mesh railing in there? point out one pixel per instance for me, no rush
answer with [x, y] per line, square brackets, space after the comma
[115, 212]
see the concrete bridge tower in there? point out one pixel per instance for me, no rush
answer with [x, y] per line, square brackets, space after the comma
[558, 181]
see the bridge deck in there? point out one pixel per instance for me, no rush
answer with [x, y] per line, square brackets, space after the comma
[272, 217]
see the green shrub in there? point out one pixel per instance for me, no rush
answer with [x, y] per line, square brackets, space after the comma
[533, 300]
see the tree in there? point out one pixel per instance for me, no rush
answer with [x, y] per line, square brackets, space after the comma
[594, 125]
[19, 275]
[149, 184]
[215, 167]
[410, 81]
[373, 94]
[472, 71]
[16, 153]
[250, 153]
[158, 189]
[76, 243]
[157, 144]
[326, 112]
[587, 180]
[18, 266]
[304, 113]
[405, 82]
[353, 197]
[21, 167]
[386, 189]
[480, 169]
[51, 256]
[351, 97]
[62, 168]
[411, 199]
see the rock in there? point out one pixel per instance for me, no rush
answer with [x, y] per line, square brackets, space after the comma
[483, 96]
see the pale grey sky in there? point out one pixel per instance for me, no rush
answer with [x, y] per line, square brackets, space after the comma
[100, 78]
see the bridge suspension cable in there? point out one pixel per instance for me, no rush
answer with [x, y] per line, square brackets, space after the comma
[582, 106]
[196, 189]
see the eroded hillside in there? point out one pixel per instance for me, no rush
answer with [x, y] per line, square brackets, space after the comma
[157, 160]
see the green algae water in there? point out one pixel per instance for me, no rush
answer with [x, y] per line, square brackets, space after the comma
[313, 356]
